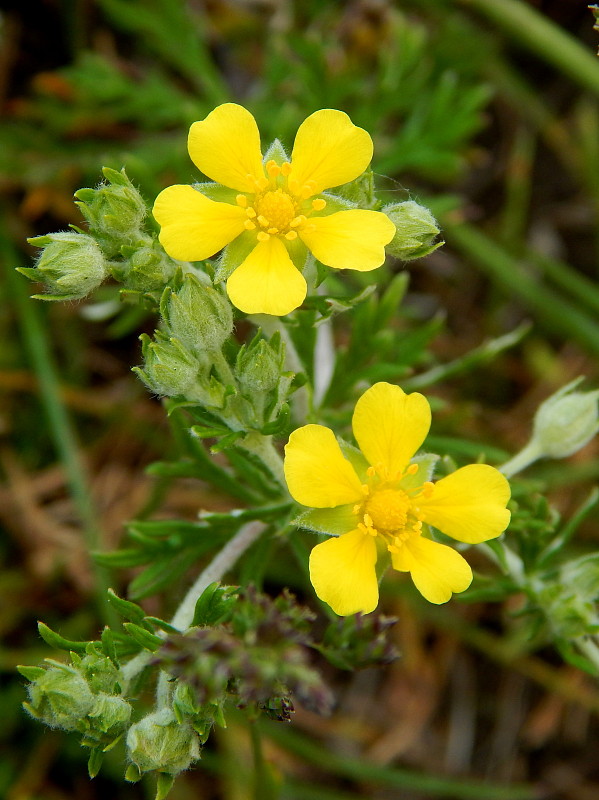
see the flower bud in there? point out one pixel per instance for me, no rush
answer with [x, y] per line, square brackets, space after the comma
[570, 599]
[109, 716]
[169, 369]
[100, 673]
[416, 230]
[71, 265]
[565, 422]
[114, 211]
[60, 697]
[148, 268]
[159, 742]
[199, 316]
[258, 367]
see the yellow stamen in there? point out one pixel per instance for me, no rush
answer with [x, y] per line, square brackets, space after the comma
[249, 225]
[285, 168]
[297, 221]
[241, 200]
[319, 204]
[250, 213]
[262, 236]
[273, 231]
[291, 235]
[273, 169]
[412, 469]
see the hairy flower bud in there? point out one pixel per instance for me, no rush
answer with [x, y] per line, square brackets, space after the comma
[169, 369]
[100, 673]
[259, 367]
[60, 697]
[114, 211]
[71, 265]
[416, 230]
[199, 316]
[109, 716]
[565, 422]
[148, 268]
[159, 742]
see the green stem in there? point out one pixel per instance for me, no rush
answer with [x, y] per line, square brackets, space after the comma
[60, 426]
[262, 446]
[183, 616]
[528, 455]
[542, 37]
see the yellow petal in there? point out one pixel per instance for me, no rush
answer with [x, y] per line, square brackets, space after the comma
[390, 425]
[267, 282]
[352, 239]
[469, 504]
[329, 150]
[437, 570]
[194, 227]
[342, 571]
[317, 474]
[226, 147]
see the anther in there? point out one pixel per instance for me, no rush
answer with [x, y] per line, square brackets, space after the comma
[249, 225]
[319, 204]
[262, 236]
[295, 223]
[250, 212]
[291, 236]
[273, 231]
[261, 182]
[371, 472]
[285, 168]
[273, 169]
[412, 469]
[241, 200]
[263, 221]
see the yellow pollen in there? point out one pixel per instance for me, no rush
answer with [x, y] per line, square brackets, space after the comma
[273, 169]
[295, 223]
[241, 200]
[250, 213]
[285, 168]
[249, 225]
[319, 204]
[388, 509]
[262, 236]
[291, 235]
[275, 210]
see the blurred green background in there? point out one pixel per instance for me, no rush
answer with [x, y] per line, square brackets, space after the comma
[487, 111]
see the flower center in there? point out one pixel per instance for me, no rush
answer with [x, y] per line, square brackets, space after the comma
[275, 210]
[388, 509]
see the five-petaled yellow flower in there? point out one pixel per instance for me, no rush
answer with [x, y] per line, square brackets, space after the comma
[272, 214]
[381, 499]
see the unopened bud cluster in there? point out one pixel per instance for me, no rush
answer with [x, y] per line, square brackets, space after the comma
[84, 696]
[74, 263]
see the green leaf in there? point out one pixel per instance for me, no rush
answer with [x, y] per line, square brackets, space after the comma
[31, 673]
[126, 608]
[166, 571]
[164, 784]
[59, 642]
[94, 762]
[143, 637]
[214, 605]
[128, 557]
[108, 646]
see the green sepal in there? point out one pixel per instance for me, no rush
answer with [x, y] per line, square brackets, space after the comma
[164, 784]
[276, 152]
[147, 640]
[334, 203]
[133, 773]
[114, 176]
[426, 467]
[162, 625]
[59, 642]
[217, 192]
[329, 306]
[31, 673]
[227, 441]
[234, 254]
[356, 459]
[95, 762]
[333, 521]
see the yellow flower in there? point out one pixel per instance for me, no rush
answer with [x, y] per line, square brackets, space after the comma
[271, 214]
[382, 500]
